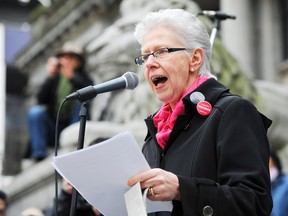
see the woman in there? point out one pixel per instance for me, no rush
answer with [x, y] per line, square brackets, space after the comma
[208, 150]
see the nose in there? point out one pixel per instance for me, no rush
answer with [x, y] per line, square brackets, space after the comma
[151, 60]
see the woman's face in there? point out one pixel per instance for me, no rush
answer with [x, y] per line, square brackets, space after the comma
[170, 77]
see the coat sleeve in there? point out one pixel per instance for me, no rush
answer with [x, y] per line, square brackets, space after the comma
[243, 182]
[80, 80]
[44, 94]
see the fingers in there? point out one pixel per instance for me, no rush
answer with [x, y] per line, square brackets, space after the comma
[162, 185]
[153, 194]
[143, 178]
[150, 192]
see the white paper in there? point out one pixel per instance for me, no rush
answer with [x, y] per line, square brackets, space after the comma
[134, 201]
[100, 172]
[139, 205]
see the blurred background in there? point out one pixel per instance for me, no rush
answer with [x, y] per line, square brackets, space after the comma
[250, 55]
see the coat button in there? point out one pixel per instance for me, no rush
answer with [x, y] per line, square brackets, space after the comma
[207, 211]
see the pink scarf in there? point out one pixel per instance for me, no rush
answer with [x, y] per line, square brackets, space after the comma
[165, 119]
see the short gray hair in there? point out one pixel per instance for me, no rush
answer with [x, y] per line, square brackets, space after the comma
[188, 28]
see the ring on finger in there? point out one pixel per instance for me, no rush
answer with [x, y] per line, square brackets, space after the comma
[150, 191]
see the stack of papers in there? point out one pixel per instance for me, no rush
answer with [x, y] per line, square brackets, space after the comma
[100, 173]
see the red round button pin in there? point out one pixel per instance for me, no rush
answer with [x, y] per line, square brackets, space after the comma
[204, 108]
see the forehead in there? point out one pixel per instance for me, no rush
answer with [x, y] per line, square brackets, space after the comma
[69, 55]
[158, 37]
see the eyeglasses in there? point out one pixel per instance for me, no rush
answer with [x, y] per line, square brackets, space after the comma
[159, 54]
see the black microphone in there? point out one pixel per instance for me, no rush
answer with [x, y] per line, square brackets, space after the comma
[128, 80]
[216, 14]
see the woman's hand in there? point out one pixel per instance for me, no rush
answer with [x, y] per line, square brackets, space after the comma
[165, 185]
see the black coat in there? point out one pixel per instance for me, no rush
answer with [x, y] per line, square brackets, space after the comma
[83, 208]
[221, 160]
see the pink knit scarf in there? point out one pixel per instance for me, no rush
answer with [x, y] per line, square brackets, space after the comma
[165, 119]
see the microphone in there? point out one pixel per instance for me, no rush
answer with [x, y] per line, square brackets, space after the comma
[128, 80]
[216, 14]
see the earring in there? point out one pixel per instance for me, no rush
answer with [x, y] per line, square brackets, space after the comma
[192, 69]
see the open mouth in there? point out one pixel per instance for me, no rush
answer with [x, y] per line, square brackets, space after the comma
[159, 80]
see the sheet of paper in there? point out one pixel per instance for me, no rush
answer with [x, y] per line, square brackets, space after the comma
[100, 172]
[134, 201]
[139, 205]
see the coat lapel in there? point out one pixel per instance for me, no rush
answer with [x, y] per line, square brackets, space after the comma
[211, 89]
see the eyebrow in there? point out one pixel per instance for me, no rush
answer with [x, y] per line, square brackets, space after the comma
[160, 47]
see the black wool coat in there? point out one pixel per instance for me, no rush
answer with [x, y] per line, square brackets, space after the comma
[221, 159]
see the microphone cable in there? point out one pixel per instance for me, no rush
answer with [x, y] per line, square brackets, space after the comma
[55, 154]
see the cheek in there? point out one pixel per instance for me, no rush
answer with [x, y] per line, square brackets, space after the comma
[147, 78]
[178, 83]
[179, 73]
[180, 77]
[146, 75]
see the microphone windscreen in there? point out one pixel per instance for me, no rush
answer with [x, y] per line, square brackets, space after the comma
[132, 80]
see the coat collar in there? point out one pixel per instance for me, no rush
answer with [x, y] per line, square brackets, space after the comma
[211, 89]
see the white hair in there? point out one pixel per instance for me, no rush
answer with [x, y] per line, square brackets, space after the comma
[187, 27]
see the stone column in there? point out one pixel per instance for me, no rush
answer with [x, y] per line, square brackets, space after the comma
[254, 38]
[237, 34]
[270, 39]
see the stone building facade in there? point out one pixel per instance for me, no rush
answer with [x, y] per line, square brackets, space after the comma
[105, 29]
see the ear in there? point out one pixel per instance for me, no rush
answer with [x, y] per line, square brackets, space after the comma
[197, 58]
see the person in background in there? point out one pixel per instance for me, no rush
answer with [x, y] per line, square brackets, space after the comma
[279, 185]
[83, 208]
[207, 149]
[3, 203]
[66, 74]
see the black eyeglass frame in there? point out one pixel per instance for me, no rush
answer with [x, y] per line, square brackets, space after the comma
[140, 59]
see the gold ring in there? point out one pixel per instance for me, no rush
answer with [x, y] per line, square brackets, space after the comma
[151, 192]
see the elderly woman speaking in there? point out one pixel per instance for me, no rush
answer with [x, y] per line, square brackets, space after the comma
[208, 149]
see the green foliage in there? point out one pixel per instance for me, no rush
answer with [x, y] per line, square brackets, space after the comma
[229, 72]
[37, 12]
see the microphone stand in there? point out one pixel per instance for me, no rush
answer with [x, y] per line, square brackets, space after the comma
[218, 17]
[216, 27]
[83, 117]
